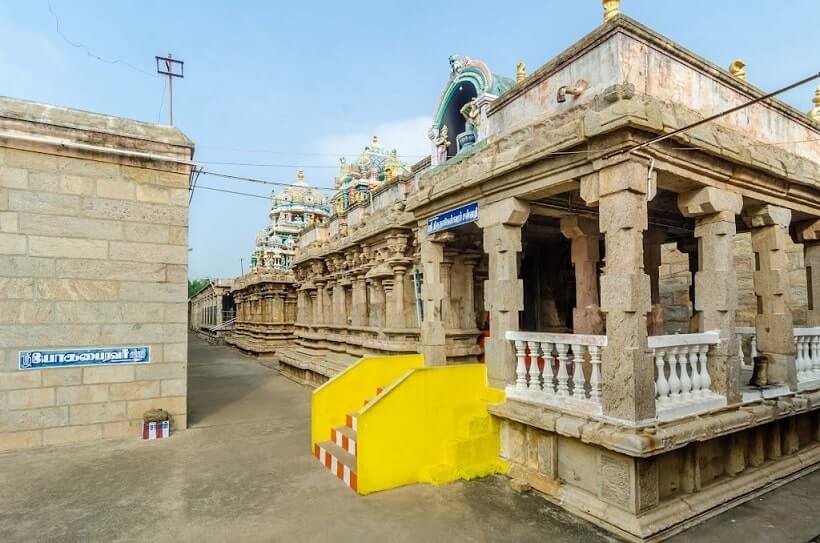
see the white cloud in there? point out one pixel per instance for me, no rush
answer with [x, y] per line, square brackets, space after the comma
[408, 136]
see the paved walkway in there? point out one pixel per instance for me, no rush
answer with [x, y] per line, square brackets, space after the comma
[243, 472]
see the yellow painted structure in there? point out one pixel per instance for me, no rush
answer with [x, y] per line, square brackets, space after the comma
[431, 426]
[347, 391]
[426, 425]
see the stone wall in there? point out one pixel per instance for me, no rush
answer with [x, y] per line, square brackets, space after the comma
[675, 280]
[93, 253]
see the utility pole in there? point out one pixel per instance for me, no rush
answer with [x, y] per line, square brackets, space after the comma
[172, 68]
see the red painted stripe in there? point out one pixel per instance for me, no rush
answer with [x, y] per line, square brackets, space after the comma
[340, 470]
[328, 459]
[333, 435]
[345, 442]
[316, 450]
[354, 483]
[348, 421]
[379, 390]
[144, 430]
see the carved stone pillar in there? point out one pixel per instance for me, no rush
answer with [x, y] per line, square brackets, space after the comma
[277, 314]
[809, 234]
[652, 240]
[432, 291]
[716, 281]
[376, 304]
[397, 299]
[621, 191]
[339, 309]
[358, 309]
[446, 285]
[503, 291]
[584, 235]
[773, 322]
[467, 319]
[319, 304]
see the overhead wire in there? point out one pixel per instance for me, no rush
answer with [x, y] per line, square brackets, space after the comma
[88, 51]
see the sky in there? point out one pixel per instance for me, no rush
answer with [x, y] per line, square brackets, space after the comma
[300, 84]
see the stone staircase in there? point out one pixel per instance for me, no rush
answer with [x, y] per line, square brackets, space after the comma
[340, 452]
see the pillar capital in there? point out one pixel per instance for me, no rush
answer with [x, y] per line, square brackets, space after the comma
[630, 175]
[709, 200]
[759, 215]
[808, 231]
[511, 212]
[576, 226]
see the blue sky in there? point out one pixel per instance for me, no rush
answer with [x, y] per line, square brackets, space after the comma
[302, 83]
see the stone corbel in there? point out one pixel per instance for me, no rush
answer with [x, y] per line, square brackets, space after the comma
[618, 176]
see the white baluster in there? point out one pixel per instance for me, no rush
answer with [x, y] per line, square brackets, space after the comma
[661, 384]
[535, 380]
[578, 378]
[549, 380]
[798, 358]
[521, 366]
[740, 350]
[753, 348]
[693, 363]
[815, 355]
[595, 374]
[685, 381]
[563, 375]
[705, 379]
[674, 381]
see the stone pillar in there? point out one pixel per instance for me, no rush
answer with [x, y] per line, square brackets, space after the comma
[652, 240]
[468, 320]
[446, 284]
[397, 298]
[715, 280]
[773, 322]
[432, 291]
[277, 314]
[808, 233]
[584, 235]
[339, 309]
[621, 191]
[218, 310]
[377, 303]
[358, 309]
[503, 291]
[319, 304]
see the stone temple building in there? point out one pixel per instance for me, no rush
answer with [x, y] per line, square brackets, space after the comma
[617, 285]
[292, 209]
[265, 299]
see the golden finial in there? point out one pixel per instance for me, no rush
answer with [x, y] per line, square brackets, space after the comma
[375, 140]
[300, 175]
[737, 69]
[520, 72]
[612, 8]
[815, 111]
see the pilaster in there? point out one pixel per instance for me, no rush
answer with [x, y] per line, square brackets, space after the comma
[584, 235]
[432, 291]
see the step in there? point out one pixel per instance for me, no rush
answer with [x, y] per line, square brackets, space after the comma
[345, 438]
[340, 462]
[352, 422]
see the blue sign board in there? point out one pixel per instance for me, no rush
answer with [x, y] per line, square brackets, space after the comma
[453, 218]
[65, 358]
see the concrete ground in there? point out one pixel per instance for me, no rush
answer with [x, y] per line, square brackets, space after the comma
[244, 472]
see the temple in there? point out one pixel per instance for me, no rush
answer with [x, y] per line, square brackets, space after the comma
[650, 306]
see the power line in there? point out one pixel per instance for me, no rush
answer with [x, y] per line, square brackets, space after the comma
[261, 181]
[294, 153]
[203, 187]
[334, 167]
[89, 52]
[716, 116]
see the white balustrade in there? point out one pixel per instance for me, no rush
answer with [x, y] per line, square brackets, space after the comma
[682, 381]
[550, 368]
[807, 357]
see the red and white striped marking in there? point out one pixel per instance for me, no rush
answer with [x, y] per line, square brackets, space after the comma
[351, 421]
[342, 472]
[155, 430]
[344, 441]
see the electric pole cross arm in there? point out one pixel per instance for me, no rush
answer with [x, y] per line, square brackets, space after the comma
[172, 68]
